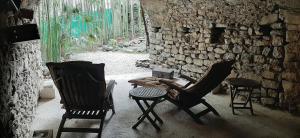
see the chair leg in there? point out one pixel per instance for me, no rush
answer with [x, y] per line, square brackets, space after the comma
[101, 124]
[188, 111]
[210, 108]
[61, 125]
[112, 104]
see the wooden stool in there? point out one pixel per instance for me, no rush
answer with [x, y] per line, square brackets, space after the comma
[239, 85]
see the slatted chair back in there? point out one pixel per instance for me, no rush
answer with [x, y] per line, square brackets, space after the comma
[81, 85]
[216, 74]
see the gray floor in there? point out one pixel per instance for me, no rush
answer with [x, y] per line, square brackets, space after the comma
[266, 123]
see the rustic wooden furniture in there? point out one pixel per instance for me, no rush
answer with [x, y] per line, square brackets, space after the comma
[150, 82]
[83, 92]
[148, 94]
[238, 86]
[190, 95]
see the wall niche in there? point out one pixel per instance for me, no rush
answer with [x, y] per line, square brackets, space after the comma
[217, 35]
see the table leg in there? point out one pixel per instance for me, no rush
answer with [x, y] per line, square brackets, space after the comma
[146, 114]
[153, 113]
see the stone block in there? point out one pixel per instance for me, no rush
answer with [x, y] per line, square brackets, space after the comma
[291, 18]
[277, 41]
[211, 56]
[277, 26]
[207, 62]
[219, 51]
[268, 75]
[158, 36]
[261, 43]
[259, 59]
[266, 51]
[198, 62]
[237, 49]
[210, 49]
[292, 36]
[269, 19]
[203, 56]
[291, 76]
[48, 90]
[180, 57]
[278, 52]
[228, 56]
[189, 60]
[270, 84]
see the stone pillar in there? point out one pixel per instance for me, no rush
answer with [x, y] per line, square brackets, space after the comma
[291, 74]
[20, 77]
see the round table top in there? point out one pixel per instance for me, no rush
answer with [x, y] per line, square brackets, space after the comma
[242, 82]
[147, 93]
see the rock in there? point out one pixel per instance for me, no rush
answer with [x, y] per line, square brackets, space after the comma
[291, 18]
[228, 56]
[207, 62]
[203, 56]
[237, 49]
[250, 31]
[277, 41]
[268, 75]
[174, 50]
[269, 19]
[142, 63]
[270, 84]
[292, 36]
[277, 26]
[180, 57]
[291, 76]
[48, 90]
[278, 52]
[198, 62]
[266, 51]
[219, 51]
[189, 60]
[259, 59]
[158, 36]
[260, 43]
[210, 49]
[211, 56]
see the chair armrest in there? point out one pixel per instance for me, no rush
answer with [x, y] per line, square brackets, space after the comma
[172, 85]
[188, 78]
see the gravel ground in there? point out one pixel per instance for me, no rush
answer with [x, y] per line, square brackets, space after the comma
[116, 63]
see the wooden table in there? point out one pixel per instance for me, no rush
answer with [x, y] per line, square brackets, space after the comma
[146, 94]
[238, 85]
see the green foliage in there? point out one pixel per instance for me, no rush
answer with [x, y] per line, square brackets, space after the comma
[67, 26]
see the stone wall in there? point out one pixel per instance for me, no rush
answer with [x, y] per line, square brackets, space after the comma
[189, 36]
[20, 77]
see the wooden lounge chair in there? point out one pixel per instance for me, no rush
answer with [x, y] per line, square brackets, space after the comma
[83, 92]
[190, 95]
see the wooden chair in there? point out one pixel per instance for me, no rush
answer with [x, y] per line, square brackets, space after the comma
[83, 92]
[191, 94]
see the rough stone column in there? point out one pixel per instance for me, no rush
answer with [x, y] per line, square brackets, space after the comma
[20, 77]
[291, 74]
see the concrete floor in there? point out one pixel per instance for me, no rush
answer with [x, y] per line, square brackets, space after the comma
[266, 123]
